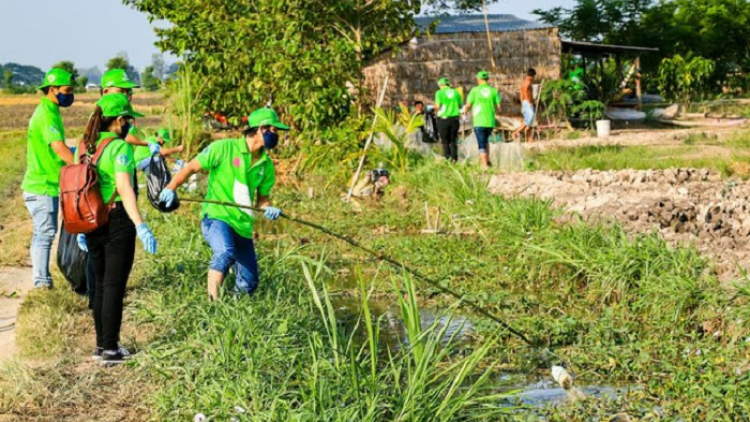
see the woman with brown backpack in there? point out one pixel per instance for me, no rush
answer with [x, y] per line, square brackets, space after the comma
[111, 246]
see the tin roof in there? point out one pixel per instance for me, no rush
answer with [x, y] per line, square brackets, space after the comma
[475, 23]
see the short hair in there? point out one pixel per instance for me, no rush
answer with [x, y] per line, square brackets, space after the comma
[531, 72]
[45, 90]
[250, 131]
[416, 103]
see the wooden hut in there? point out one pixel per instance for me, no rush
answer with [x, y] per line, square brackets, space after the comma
[458, 49]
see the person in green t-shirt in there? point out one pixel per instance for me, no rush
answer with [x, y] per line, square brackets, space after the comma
[448, 104]
[143, 154]
[46, 154]
[483, 101]
[111, 247]
[117, 81]
[238, 170]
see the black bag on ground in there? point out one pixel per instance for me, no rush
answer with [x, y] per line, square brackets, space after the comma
[72, 261]
[158, 178]
[429, 130]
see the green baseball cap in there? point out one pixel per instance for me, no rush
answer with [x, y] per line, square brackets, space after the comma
[164, 134]
[57, 77]
[483, 75]
[444, 82]
[117, 78]
[116, 105]
[265, 117]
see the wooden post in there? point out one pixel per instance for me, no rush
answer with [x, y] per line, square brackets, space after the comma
[369, 141]
[638, 92]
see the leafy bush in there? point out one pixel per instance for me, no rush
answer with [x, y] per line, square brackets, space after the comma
[686, 79]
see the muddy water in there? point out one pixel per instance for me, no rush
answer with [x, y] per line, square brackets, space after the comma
[535, 390]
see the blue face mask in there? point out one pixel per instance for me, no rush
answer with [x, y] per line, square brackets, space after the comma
[65, 100]
[270, 139]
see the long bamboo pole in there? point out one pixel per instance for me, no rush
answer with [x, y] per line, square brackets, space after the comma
[489, 38]
[369, 141]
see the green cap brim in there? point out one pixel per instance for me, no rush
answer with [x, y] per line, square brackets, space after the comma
[130, 113]
[280, 125]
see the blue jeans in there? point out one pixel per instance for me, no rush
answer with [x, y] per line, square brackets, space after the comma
[483, 138]
[43, 210]
[230, 249]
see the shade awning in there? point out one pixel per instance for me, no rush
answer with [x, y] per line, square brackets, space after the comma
[580, 47]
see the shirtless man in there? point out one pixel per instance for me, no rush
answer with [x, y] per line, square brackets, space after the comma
[527, 104]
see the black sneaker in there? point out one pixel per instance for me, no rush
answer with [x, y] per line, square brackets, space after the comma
[112, 357]
[125, 352]
[97, 354]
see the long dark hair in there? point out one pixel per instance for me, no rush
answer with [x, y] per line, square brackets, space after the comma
[97, 124]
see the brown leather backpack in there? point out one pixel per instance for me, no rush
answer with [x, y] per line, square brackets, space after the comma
[81, 203]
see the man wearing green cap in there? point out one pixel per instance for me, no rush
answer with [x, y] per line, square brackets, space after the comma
[238, 170]
[118, 81]
[46, 154]
[143, 154]
[448, 104]
[483, 101]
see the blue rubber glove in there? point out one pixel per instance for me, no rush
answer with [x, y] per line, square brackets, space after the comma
[272, 213]
[81, 240]
[167, 196]
[154, 147]
[147, 238]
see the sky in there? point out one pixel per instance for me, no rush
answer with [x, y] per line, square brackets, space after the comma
[44, 32]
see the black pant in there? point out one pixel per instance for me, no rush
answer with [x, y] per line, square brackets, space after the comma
[448, 131]
[112, 250]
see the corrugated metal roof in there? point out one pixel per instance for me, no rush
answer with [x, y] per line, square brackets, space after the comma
[475, 23]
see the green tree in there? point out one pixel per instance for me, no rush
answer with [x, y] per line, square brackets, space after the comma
[121, 62]
[68, 66]
[302, 53]
[149, 80]
[157, 62]
[609, 21]
[118, 62]
[8, 79]
[454, 5]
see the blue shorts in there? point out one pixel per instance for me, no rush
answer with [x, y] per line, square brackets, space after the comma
[527, 109]
[231, 250]
[483, 138]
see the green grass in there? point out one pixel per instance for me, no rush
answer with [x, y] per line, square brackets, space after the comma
[621, 309]
[619, 157]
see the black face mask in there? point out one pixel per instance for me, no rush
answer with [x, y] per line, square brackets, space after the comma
[125, 129]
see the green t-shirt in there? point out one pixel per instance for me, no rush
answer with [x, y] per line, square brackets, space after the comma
[43, 164]
[484, 100]
[116, 158]
[234, 177]
[449, 101]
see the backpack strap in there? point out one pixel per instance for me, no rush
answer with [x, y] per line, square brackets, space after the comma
[100, 150]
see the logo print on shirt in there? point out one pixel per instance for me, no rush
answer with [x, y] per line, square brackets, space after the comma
[236, 162]
[53, 129]
[486, 92]
[123, 160]
[450, 93]
[242, 196]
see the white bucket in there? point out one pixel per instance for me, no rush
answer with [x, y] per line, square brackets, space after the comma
[602, 128]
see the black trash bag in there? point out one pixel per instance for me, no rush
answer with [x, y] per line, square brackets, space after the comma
[72, 261]
[429, 130]
[158, 178]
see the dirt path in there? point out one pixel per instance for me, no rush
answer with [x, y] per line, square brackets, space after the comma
[638, 137]
[15, 282]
